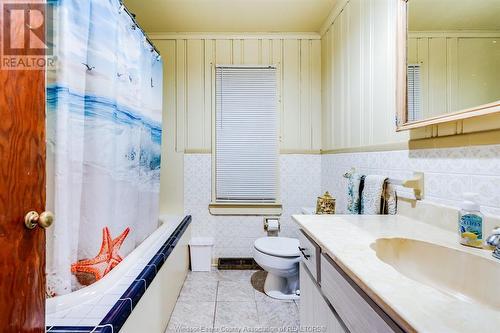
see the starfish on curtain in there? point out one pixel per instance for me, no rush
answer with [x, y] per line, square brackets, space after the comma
[88, 271]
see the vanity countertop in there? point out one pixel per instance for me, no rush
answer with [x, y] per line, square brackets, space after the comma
[415, 305]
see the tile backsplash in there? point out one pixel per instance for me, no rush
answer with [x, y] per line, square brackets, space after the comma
[448, 173]
[300, 184]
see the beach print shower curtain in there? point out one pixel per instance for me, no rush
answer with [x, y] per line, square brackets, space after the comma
[104, 102]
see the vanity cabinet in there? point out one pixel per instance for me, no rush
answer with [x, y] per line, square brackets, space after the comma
[335, 302]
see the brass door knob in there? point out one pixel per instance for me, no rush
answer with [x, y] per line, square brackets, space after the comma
[44, 220]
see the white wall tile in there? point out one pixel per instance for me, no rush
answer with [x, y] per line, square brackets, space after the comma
[300, 184]
[448, 173]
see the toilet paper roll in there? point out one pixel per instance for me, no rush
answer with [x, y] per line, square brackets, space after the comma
[273, 225]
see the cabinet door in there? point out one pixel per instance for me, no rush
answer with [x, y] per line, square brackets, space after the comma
[325, 316]
[311, 254]
[357, 310]
[306, 305]
[314, 310]
[333, 324]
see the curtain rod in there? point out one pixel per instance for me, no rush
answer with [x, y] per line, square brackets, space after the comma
[132, 16]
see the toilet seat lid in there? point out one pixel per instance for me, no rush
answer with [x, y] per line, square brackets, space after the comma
[278, 246]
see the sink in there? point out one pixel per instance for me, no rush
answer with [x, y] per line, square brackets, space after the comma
[458, 273]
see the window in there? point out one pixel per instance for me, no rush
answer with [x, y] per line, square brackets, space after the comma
[246, 136]
[414, 93]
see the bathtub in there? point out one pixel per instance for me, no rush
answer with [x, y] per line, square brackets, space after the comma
[138, 295]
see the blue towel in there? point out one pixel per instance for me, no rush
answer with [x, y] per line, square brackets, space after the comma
[354, 188]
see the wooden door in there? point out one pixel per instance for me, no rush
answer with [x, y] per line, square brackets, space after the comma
[22, 189]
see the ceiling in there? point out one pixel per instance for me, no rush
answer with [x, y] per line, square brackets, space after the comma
[230, 15]
[432, 15]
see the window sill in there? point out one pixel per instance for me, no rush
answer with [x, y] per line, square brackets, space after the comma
[258, 209]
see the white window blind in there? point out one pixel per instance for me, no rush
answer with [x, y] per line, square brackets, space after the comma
[246, 134]
[414, 93]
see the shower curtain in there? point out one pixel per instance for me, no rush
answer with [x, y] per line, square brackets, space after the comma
[104, 103]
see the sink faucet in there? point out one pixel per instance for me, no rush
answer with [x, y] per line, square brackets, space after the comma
[494, 241]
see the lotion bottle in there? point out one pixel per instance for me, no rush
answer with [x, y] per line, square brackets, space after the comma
[470, 221]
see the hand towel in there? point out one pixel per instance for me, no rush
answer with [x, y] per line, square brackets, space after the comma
[354, 181]
[371, 198]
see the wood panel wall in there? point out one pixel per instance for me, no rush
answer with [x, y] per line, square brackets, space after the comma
[359, 76]
[189, 82]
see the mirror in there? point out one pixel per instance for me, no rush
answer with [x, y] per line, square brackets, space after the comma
[452, 59]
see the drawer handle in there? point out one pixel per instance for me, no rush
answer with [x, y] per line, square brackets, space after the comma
[302, 250]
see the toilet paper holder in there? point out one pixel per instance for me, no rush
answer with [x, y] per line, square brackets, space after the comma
[272, 224]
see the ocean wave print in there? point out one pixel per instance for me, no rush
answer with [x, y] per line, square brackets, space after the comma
[101, 108]
[116, 138]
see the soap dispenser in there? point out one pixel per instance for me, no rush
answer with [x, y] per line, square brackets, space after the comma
[470, 221]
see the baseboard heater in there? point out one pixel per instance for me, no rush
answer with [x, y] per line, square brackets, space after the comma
[237, 263]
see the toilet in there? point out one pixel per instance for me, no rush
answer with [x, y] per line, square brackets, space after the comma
[280, 257]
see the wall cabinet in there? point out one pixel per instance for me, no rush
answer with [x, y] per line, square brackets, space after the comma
[335, 303]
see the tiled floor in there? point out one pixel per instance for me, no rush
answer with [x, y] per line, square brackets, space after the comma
[230, 301]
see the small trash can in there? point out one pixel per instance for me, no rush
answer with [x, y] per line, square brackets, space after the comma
[201, 253]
